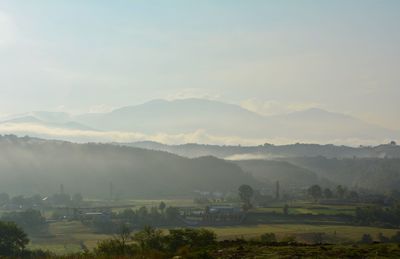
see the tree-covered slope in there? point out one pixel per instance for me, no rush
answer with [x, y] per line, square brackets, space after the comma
[289, 175]
[32, 166]
[268, 151]
[371, 173]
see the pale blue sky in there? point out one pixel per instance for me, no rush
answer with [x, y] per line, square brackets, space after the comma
[269, 56]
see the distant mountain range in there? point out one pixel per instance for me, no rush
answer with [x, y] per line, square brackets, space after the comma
[199, 120]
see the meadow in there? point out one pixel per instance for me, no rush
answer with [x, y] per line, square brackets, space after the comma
[65, 236]
[68, 236]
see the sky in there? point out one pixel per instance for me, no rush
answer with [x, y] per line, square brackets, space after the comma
[268, 56]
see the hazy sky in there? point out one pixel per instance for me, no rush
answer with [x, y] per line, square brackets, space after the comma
[269, 56]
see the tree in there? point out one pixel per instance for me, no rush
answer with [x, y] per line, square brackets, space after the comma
[77, 199]
[277, 194]
[353, 195]
[4, 198]
[318, 238]
[142, 212]
[149, 238]
[366, 239]
[189, 237]
[268, 238]
[315, 191]
[117, 246]
[61, 199]
[155, 215]
[328, 193]
[36, 199]
[245, 194]
[162, 206]
[29, 219]
[12, 239]
[18, 200]
[383, 239]
[286, 209]
[124, 233]
[396, 237]
[171, 213]
[114, 247]
[340, 190]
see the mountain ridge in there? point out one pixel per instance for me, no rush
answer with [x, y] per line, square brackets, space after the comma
[269, 151]
[31, 166]
[219, 120]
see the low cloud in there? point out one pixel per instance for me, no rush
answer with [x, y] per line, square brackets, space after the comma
[199, 136]
[192, 93]
[273, 107]
[101, 108]
[252, 157]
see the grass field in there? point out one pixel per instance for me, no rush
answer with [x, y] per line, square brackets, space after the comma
[339, 233]
[71, 236]
[66, 237]
[312, 208]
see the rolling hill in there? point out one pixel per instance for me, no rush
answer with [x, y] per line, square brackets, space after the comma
[36, 166]
[290, 176]
[268, 151]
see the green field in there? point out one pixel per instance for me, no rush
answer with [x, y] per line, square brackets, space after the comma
[301, 207]
[342, 233]
[66, 237]
[71, 236]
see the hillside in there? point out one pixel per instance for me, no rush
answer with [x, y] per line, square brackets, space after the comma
[289, 175]
[32, 166]
[376, 174]
[273, 151]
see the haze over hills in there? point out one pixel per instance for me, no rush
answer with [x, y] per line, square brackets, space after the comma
[268, 151]
[200, 121]
[289, 175]
[30, 166]
[35, 166]
[380, 175]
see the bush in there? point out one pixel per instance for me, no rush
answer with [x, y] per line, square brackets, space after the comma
[289, 239]
[149, 238]
[396, 237]
[268, 238]
[190, 237]
[115, 247]
[366, 239]
[383, 239]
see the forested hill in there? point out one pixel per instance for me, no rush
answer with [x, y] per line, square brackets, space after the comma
[31, 166]
[382, 175]
[268, 151]
[300, 165]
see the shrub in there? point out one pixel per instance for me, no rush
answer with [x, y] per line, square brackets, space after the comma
[268, 238]
[115, 247]
[366, 239]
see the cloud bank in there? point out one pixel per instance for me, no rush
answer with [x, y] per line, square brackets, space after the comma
[199, 136]
[274, 107]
